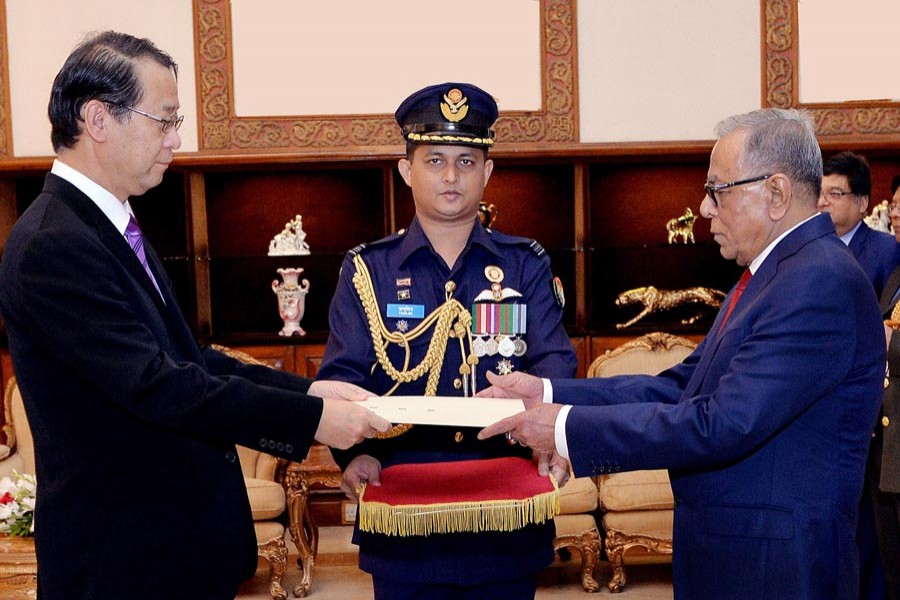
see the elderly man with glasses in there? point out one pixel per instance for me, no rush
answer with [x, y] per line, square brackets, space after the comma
[765, 427]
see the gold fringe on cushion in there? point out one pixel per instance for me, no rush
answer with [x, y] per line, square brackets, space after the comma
[457, 517]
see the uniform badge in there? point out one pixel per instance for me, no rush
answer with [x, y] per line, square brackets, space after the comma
[454, 107]
[404, 281]
[402, 325]
[494, 274]
[506, 347]
[558, 292]
[521, 347]
[402, 294]
[505, 367]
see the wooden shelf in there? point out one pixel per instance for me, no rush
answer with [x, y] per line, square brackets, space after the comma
[599, 210]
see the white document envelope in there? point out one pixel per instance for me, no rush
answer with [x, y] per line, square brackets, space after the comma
[456, 411]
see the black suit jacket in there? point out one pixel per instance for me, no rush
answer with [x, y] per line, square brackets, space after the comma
[140, 492]
[889, 436]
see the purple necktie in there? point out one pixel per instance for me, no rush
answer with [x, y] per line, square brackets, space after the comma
[136, 241]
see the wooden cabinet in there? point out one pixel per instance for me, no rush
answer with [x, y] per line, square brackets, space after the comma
[600, 211]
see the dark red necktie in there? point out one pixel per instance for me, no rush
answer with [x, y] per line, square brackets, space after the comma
[742, 284]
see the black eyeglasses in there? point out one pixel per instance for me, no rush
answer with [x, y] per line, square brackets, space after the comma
[714, 188]
[836, 195]
[167, 124]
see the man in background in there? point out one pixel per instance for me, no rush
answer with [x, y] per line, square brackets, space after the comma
[846, 187]
[384, 337]
[134, 424]
[883, 469]
[765, 427]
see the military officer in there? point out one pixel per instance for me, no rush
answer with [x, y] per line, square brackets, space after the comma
[428, 311]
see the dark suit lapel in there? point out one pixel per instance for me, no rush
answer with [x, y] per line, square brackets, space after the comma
[858, 241]
[178, 326]
[85, 209]
[790, 245]
[886, 302]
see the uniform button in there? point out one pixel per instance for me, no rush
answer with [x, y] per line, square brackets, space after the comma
[280, 447]
[457, 383]
[289, 448]
[230, 456]
[263, 443]
[887, 383]
[458, 437]
[271, 444]
[885, 421]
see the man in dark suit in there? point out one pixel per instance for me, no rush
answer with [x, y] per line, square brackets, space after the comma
[846, 187]
[883, 470]
[140, 493]
[764, 428]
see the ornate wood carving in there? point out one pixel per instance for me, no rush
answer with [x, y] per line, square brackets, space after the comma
[275, 552]
[316, 472]
[619, 543]
[18, 567]
[6, 147]
[588, 544]
[781, 89]
[221, 129]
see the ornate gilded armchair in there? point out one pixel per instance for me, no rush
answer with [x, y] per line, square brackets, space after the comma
[638, 506]
[577, 528]
[263, 475]
[18, 455]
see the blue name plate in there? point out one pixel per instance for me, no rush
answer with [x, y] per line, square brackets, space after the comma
[406, 311]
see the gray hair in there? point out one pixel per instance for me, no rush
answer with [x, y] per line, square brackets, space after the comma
[779, 141]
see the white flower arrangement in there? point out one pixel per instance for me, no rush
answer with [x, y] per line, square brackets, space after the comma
[17, 505]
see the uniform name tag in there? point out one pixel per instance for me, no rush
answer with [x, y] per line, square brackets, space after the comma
[406, 311]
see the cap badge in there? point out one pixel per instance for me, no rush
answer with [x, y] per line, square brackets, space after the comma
[454, 107]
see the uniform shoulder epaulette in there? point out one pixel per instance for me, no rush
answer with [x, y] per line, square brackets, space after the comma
[513, 240]
[377, 243]
[356, 250]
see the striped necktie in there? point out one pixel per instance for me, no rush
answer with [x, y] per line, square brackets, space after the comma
[136, 241]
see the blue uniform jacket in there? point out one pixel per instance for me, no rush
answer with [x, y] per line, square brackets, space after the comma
[764, 429]
[406, 270]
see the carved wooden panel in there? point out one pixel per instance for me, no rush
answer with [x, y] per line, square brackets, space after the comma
[6, 145]
[221, 129]
[781, 89]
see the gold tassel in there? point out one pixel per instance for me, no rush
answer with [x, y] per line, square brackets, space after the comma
[455, 517]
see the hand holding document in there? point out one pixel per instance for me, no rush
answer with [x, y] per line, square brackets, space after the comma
[455, 411]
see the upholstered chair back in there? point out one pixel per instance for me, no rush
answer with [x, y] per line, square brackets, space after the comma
[649, 354]
[17, 432]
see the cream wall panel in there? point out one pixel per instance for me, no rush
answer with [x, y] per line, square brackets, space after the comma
[41, 33]
[348, 57]
[848, 55]
[655, 70]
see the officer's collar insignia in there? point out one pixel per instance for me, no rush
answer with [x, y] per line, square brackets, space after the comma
[402, 325]
[454, 107]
